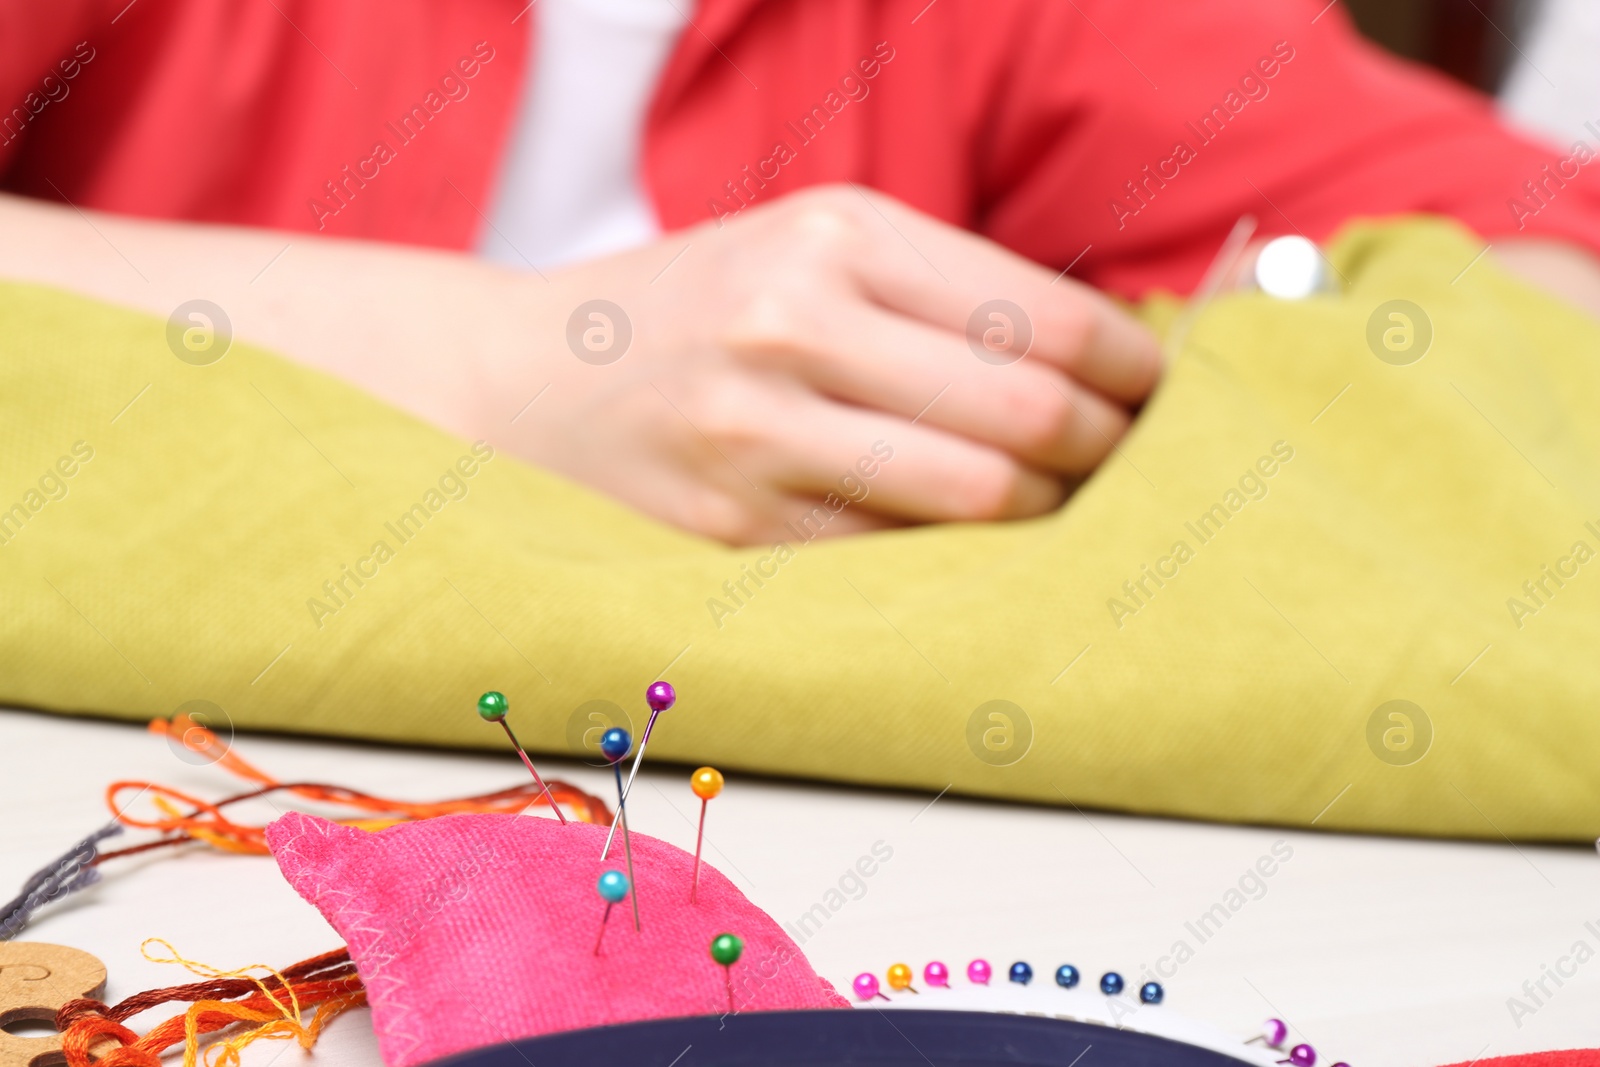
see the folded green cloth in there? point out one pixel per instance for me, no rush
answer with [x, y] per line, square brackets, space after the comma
[1307, 525]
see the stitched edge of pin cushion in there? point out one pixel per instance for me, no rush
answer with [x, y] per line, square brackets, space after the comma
[471, 930]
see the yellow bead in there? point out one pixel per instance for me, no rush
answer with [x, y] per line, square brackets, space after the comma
[899, 976]
[706, 782]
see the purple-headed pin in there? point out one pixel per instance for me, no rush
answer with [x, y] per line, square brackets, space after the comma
[1274, 1032]
[660, 696]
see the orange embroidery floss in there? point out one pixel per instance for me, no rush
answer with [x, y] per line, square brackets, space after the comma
[273, 1006]
[205, 821]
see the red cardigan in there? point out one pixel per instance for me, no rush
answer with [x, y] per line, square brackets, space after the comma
[1122, 136]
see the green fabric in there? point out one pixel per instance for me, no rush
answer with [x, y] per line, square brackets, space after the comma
[179, 564]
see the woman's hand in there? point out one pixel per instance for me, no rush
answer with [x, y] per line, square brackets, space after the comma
[736, 376]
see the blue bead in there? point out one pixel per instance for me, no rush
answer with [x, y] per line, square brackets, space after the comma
[613, 887]
[1151, 993]
[1111, 983]
[1066, 976]
[1021, 972]
[615, 743]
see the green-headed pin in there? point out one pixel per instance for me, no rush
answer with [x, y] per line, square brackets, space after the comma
[726, 950]
[493, 706]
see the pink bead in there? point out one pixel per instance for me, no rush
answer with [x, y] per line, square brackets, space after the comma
[660, 696]
[979, 972]
[936, 973]
[1275, 1032]
[866, 985]
[1303, 1056]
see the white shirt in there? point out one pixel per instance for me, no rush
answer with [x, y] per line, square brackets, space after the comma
[570, 187]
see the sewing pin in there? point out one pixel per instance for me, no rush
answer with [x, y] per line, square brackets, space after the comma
[660, 696]
[614, 745]
[726, 950]
[866, 986]
[1274, 1032]
[493, 707]
[900, 978]
[706, 783]
[613, 886]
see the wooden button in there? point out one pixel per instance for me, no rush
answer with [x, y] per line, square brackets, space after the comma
[36, 981]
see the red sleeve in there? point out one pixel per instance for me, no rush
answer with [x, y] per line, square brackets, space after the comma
[39, 57]
[1144, 131]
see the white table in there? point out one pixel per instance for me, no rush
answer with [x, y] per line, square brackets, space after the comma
[1378, 951]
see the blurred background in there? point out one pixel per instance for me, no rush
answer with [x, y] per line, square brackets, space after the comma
[1470, 40]
[1538, 56]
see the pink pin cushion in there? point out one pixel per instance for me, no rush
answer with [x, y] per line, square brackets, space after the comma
[471, 930]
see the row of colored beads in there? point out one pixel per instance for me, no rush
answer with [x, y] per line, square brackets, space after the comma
[1067, 976]
[979, 972]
